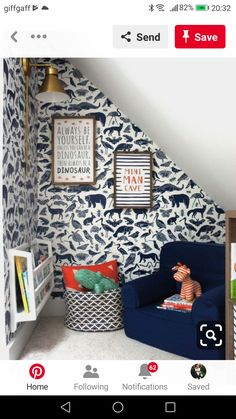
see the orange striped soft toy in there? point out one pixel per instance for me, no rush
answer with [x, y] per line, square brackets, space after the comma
[189, 289]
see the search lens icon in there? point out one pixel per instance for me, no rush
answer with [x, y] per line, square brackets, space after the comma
[210, 334]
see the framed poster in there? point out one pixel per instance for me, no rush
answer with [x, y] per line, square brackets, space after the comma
[133, 179]
[73, 152]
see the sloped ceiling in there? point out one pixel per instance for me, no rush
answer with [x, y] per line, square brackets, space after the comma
[187, 106]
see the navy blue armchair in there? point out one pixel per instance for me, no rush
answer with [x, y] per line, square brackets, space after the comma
[170, 330]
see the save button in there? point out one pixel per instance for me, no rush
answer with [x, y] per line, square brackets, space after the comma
[200, 36]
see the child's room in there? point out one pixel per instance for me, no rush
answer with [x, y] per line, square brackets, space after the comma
[119, 226]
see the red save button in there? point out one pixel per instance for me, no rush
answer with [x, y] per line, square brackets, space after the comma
[200, 36]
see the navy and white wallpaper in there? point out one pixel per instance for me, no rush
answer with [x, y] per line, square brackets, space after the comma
[81, 220]
[19, 192]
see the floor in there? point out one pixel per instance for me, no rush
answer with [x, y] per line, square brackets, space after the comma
[52, 340]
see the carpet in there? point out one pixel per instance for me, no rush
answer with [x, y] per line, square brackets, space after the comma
[52, 340]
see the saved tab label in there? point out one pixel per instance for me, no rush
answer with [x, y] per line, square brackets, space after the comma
[200, 36]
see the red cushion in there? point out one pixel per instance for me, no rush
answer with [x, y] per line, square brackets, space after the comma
[108, 269]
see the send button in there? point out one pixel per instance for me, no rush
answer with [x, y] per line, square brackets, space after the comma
[142, 36]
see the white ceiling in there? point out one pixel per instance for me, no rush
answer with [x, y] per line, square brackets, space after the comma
[186, 106]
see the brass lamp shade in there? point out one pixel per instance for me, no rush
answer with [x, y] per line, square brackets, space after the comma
[52, 89]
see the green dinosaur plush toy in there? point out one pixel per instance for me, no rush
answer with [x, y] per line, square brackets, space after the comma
[94, 281]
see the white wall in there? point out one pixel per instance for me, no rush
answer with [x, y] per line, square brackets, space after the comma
[187, 106]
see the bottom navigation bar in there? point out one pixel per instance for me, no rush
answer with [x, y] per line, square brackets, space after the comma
[140, 377]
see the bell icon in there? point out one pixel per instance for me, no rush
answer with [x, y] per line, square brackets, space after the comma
[144, 371]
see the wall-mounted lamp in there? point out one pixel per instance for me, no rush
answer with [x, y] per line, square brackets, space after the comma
[51, 90]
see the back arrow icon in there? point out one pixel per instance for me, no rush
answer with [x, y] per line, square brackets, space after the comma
[66, 407]
[13, 36]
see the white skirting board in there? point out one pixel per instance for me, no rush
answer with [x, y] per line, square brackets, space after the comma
[22, 336]
[234, 332]
[4, 352]
[53, 308]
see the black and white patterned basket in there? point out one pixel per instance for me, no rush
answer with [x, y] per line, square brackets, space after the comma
[90, 312]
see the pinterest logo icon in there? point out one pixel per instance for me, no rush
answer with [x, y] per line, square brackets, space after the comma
[37, 371]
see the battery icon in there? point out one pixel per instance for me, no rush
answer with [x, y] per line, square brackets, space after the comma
[202, 7]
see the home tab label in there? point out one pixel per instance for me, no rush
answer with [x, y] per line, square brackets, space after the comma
[200, 36]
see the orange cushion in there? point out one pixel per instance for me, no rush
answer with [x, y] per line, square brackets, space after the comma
[108, 269]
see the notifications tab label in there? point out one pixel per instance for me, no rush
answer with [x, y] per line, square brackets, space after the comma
[200, 36]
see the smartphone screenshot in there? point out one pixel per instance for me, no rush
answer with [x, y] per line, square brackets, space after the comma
[118, 207]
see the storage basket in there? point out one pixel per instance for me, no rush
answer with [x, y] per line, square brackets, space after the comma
[90, 312]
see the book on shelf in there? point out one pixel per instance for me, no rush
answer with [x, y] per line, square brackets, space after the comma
[26, 283]
[39, 254]
[164, 307]
[22, 276]
[233, 271]
[43, 292]
[175, 302]
[35, 254]
[183, 306]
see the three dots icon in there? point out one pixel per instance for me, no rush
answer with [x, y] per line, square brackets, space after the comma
[38, 36]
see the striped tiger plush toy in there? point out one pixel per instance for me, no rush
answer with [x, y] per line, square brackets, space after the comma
[189, 289]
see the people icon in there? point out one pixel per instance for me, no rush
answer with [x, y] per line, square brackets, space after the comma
[89, 373]
[198, 371]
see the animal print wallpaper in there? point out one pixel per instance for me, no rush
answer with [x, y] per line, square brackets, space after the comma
[19, 192]
[81, 220]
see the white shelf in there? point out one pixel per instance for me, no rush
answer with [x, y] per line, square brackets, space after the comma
[40, 282]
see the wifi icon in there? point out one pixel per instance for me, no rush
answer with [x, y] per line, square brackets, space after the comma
[160, 7]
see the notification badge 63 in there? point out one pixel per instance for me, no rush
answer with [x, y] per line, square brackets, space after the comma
[37, 371]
